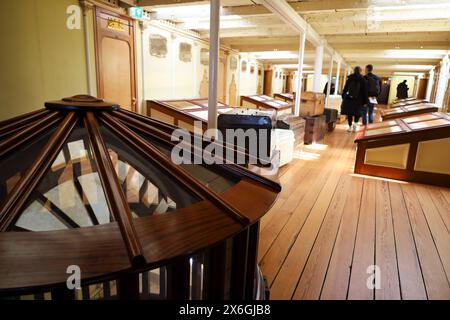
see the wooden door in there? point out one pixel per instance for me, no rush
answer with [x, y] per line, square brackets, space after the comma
[289, 82]
[114, 43]
[268, 82]
[422, 88]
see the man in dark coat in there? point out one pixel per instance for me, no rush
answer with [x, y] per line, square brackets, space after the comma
[373, 89]
[402, 90]
[354, 97]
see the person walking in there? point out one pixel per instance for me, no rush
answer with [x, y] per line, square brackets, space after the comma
[373, 90]
[402, 90]
[354, 97]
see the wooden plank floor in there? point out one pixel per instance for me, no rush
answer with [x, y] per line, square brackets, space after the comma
[329, 227]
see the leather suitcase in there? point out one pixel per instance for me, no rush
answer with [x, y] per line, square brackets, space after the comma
[244, 120]
[331, 118]
[315, 129]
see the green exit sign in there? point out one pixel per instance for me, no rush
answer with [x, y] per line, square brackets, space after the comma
[136, 12]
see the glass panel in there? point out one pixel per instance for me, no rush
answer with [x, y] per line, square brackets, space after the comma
[383, 131]
[382, 124]
[257, 98]
[181, 104]
[424, 117]
[14, 165]
[210, 176]
[392, 111]
[200, 114]
[70, 194]
[429, 124]
[147, 189]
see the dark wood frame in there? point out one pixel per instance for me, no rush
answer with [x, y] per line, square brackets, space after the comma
[412, 137]
[99, 35]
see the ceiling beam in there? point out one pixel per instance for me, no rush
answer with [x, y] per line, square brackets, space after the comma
[284, 11]
[383, 27]
[150, 3]
[327, 6]
[389, 37]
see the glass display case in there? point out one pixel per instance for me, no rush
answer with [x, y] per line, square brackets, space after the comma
[415, 148]
[407, 102]
[287, 97]
[407, 110]
[266, 102]
[88, 186]
[184, 112]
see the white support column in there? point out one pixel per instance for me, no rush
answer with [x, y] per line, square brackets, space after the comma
[429, 85]
[301, 56]
[318, 68]
[338, 75]
[214, 26]
[330, 76]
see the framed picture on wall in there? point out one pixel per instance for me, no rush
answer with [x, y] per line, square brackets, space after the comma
[185, 53]
[244, 66]
[252, 69]
[158, 45]
[276, 75]
[233, 63]
[204, 56]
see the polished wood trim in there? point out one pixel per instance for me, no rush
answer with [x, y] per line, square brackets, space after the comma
[13, 125]
[17, 199]
[28, 134]
[117, 203]
[23, 118]
[181, 175]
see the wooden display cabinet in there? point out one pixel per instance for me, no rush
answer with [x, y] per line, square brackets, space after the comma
[183, 112]
[287, 97]
[404, 103]
[406, 111]
[415, 148]
[266, 102]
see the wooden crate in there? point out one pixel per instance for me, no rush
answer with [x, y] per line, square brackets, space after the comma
[312, 104]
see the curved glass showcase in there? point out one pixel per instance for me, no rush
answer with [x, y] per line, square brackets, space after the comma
[87, 186]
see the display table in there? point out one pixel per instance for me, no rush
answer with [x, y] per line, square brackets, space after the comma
[410, 110]
[266, 102]
[183, 112]
[415, 148]
[408, 103]
[287, 97]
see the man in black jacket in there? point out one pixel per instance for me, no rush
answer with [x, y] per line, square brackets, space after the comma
[374, 89]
